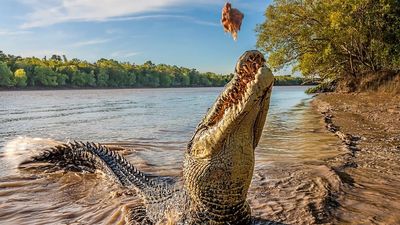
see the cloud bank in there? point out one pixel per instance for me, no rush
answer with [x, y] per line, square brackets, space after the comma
[46, 12]
[4, 32]
[90, 42]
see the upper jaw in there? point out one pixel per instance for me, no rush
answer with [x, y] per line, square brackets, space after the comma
[222, 119]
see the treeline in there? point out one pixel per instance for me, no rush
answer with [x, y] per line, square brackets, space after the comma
[58, 71]
[288, 80]
[347, 44]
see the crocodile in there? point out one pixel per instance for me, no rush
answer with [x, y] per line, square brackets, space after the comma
[218, 163]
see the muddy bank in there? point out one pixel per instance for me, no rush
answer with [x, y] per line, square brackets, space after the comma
[368, 124]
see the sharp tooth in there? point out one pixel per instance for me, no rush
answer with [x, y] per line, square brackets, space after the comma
[248, 85]
[226, 92]
[237, 111]
[240, 105]
[246, 95]
[228, 110]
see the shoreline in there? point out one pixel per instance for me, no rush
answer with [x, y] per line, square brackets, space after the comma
[368, 126]
[89, 88]
[116, 88]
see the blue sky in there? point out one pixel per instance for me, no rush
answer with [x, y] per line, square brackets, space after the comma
[178, 32]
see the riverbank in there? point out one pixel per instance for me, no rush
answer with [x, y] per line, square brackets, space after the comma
[88, 88]
[110, 88]
[369, 126]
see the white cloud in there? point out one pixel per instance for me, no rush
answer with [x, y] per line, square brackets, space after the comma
[124, 54]
[144, 17]
[206, 23]
[52, 12]
[114, 31]
[163, 16]
[90, 42]
[13, 33]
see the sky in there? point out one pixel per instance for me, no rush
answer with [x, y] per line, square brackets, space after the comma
[176, 32]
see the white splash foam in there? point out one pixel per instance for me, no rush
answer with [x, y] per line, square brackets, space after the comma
[21, 148]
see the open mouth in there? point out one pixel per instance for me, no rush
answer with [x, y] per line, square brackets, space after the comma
[252, 81]
[237, 90]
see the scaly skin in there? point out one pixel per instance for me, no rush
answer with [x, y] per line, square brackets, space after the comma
[219, 160]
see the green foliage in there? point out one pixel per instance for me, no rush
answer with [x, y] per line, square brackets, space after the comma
[333, 40]
[20, 78]
[44, 76]
[287, 80]
[327, 86]
[5, 75]
[102, 78]
[82, 79]
[60, 72]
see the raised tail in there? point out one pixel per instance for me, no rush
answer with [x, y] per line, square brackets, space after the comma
[91, 157]
[79, 156]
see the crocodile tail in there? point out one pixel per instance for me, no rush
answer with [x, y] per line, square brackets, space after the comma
[91, 157]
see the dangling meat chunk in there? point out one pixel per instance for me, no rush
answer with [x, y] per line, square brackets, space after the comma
[231, 19]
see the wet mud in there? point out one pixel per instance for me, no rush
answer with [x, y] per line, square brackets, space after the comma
[368, 124]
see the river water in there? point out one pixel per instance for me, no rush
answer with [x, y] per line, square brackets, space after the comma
[291, 183]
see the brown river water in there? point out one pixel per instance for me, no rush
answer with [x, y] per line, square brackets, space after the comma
[292, 183]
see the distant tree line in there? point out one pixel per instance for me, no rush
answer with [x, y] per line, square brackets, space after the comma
[342, 42]
[58, 71]
[288, 80]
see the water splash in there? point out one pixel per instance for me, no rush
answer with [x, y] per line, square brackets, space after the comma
[20, 148]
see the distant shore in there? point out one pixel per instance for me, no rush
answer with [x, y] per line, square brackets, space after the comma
[111, 88]
[86, 88]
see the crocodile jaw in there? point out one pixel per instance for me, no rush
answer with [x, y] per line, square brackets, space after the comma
[219, 161]
[247, 112]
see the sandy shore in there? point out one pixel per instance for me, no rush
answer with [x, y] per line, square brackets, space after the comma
[369, 126]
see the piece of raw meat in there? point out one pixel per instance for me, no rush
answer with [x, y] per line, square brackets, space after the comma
[231, 19]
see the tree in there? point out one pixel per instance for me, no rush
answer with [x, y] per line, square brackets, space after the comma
[131, 79]
[20, 78]
[29, 64]
[332, 39]
[102, 78]
[82, 79]
[44, 76]
[165, 80]
[3, 57]
[55, 57]
[57, 71]
[153, 79]
[204, 81]
[61, 79]
[5, 75]
[194, 78]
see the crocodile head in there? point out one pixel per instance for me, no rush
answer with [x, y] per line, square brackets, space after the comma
[219, 161]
